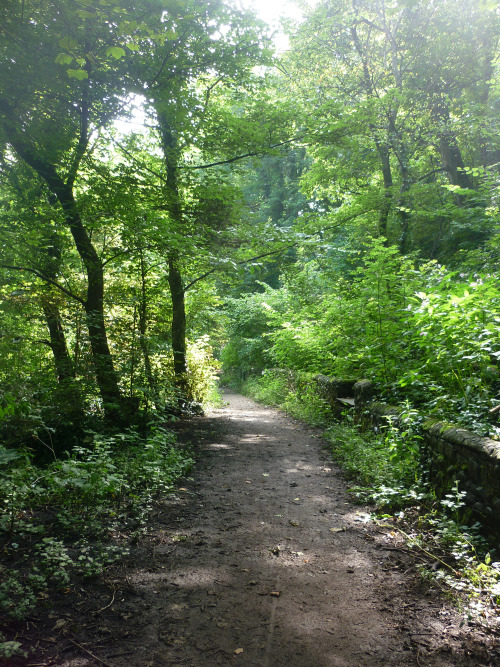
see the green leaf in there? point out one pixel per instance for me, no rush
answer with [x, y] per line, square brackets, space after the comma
[132, 46]
[115, 51]
[7, 455]
[84, 14]
[67, 42]
[64, 59]
[79, 74]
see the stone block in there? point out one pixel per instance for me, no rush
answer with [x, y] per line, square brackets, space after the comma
[363, 393]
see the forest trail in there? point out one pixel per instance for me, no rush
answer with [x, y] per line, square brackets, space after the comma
[261, 560]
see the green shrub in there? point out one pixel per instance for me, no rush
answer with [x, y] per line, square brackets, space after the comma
[269, 388]
[111, 480]
[203, 372]
[421, 333]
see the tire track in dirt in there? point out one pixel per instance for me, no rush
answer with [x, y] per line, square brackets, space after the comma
[262, 561]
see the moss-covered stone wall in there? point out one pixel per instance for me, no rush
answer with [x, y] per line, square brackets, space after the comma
[450, 453]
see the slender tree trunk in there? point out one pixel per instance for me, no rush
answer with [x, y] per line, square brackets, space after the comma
[71, 400]
[397, 142]
[106, 376]
[402, 208]
[78, 339]
[64, 365]
[132, 355]
[178, 324]
[385, 164]
[143, 325]
[382, 146]
[65, 368]
[489, 154]
[170, 152]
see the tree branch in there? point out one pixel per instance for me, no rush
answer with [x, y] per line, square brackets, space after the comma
[42, 276]
[279, 250]
[202, 166]
[434, 171]
[134, 159]
[209, 91]
[43, 341]
[363, 19]
[83, 139]
[113, 257]
[241, 157]
[243, 261]
[26, 151]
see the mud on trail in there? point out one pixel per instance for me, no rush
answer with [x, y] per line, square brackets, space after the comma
[261, 560]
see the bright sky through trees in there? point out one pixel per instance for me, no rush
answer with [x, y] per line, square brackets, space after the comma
[272, 10]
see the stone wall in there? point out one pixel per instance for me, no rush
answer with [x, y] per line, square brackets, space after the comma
[451, 453]
[333, 390]
[457, 454]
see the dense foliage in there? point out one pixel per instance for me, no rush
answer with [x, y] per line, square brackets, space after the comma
[421, 332]
[174, 194]
[394, 275]
[65, 513]
[341, 200]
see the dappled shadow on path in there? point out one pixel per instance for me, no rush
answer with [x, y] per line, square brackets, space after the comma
[260, 560]
[263, 561]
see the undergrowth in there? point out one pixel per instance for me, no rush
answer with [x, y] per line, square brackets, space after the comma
[385, 469]
[57, 522]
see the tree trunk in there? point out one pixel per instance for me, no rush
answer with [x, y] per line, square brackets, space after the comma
[69, 394]
[107, 379]
[452, 161]
[385, 164]
[106, 376]
[382, 147]
[170, 153]
[178, 326]
[449, 150]
[64, 365]
[398, 145]
[143, 325]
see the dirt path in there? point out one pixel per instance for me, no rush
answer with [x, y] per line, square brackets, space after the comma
[262, 561]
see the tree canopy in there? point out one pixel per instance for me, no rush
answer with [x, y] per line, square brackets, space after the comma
[317, 183]
[183, 205]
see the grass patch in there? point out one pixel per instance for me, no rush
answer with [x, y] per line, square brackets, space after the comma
[269, 389]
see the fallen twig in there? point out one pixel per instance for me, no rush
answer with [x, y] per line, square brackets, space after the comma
[108, 605]
[414, 544]
[100, 660]
[403, 551]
